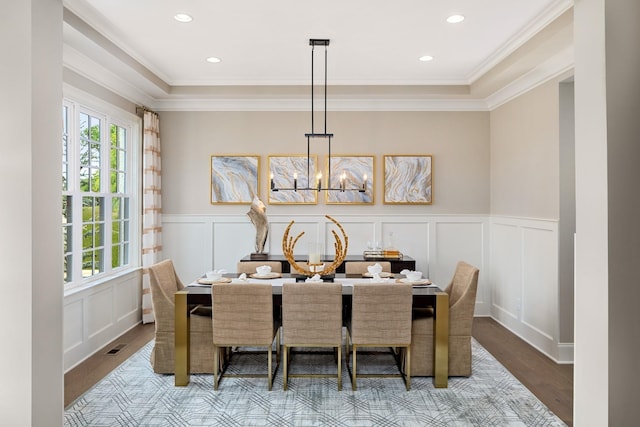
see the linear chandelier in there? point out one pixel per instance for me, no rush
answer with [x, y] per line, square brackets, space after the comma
[322, 136]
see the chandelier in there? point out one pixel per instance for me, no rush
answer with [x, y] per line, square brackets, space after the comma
[320, 136]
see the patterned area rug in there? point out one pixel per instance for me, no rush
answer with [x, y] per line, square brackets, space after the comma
[132, 395]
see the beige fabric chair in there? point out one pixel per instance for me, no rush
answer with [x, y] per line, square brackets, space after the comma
[462, 300]
[360, 267]
[381, 317]
[249, 267]
[312, 317]
[164, 283]
[243, 317]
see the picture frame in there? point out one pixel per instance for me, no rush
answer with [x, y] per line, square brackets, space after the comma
[355, 168]
[281, 170]
[234, 179]
[408, 179]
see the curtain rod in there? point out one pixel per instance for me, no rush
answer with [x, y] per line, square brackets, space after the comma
[141, 109]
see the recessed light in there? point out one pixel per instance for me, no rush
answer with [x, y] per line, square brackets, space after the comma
[426, 58]
[454, 19]
[183, 17]
[213, 59]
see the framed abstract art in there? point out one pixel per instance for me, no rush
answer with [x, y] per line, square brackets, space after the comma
[408, 179]
[234, 179]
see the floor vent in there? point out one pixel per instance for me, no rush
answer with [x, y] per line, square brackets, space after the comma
[116, 349]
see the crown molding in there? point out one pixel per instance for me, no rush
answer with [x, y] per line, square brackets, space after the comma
[546, 17]
[557, 65]
[283, 104]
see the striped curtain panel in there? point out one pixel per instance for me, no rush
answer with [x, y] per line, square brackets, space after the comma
[151, 207]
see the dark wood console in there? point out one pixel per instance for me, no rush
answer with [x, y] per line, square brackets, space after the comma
[397, 264]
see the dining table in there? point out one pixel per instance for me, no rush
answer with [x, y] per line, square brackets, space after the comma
[424, 295]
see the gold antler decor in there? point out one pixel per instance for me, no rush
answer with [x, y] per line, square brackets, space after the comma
[288, 243]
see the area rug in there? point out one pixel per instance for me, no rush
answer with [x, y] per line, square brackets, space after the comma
[132, 395]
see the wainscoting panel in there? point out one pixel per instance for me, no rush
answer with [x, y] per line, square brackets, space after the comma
[188, 244]
[99, 320]
[540, 281]
[524, 271]
[96, 315]
[228, 238]
[73, 325]
[506, 270]
[411, 237]
[462, 240]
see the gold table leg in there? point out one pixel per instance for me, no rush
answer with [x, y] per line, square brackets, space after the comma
[181, 350]
[441, 341]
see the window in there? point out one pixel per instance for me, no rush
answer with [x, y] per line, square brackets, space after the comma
[97, 193]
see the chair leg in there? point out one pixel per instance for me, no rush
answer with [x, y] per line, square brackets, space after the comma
[353, 369]
[216, 362]
[408, 372]
[270, 357]
[285, 367]
[340, 368]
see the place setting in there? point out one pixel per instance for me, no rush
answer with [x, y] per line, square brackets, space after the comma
[214, 276]
[264, 272]
[415, 278]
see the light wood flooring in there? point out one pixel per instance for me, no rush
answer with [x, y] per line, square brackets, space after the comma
[550, 382]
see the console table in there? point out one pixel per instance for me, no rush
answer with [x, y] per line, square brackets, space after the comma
[397, 264]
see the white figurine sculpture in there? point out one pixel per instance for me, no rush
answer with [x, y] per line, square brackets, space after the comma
[258, 216]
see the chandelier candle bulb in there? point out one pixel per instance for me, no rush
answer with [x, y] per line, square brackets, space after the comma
[273, 186]
[295, 181]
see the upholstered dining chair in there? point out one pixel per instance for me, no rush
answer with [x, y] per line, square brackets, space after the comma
[243, 317]
[360, 267]
[164, 283]
[462, 300]
[311, 317]
[381, 317]
[249, 267]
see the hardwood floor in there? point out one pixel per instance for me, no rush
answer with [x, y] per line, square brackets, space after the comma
[550, 382]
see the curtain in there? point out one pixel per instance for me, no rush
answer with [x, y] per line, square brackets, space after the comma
[151, 207]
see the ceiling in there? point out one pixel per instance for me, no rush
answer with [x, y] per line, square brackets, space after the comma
[373, 42]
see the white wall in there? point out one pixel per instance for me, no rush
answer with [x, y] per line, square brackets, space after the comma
[197, 243]
[591, 370]
[30, 240]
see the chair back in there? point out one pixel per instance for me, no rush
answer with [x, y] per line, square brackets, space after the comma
[360, 267]
[249, 267]
[381, 314]
[164, 283]
[312, 314]
[462, 298]
[242, 314]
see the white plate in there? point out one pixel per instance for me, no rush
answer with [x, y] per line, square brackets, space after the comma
[271, 275]
[415, 282]
[205, 281]
[382, 274]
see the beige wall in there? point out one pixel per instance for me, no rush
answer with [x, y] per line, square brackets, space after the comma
[459, 142]
[525, 155]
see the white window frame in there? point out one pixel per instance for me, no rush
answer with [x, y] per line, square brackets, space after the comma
[78, 102]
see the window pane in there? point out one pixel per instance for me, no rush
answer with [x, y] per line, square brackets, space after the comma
[126, 207]
[87, 236]
[115, 256]
[113, 179]
[67, 209]
[116, 208]
[67, 238]
[68, 268]
[65, 148]
[84, 126]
